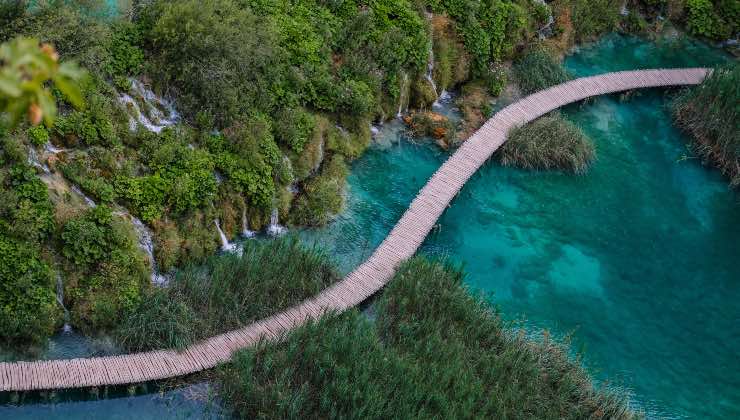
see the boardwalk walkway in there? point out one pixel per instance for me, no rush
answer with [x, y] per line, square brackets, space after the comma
[368, 278]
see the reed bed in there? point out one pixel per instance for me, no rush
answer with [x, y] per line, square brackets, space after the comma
[537, 69]
[434, 351]
[227, 292]
[710, 113]
[550, 142]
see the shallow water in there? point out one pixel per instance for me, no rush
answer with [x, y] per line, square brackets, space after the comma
[638, 259]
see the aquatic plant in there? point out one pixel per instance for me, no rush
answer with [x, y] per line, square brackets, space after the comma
[550, 142]
[537, 69]
[434, 351]
[227, 291]
[709, 112]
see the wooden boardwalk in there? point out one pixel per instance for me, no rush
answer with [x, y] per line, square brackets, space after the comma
[400, 244]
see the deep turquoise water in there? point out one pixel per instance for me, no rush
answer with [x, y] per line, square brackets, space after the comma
[638, 259]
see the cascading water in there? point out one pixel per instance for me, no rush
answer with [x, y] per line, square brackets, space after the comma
[403, 95]
[429, 75]
[246, 232]
[147, 109]
[33, 160]
[226, 246]
[60, 298]
[87, 199]
[147, 245]
[274, 228]
[546, 31]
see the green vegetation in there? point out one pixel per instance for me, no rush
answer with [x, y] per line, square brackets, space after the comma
[430, 124]
[434, 351]
[714, 19]
[106, 270]
[709, 112]
[267, 277]
[538, 70]
[550, 142]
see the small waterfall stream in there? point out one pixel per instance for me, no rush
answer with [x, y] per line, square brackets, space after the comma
[246, 232]
[89, 201]
[147, 245]
[274, 228]
[226, 246]
[60, 298]
[147, 109]
[403, 95]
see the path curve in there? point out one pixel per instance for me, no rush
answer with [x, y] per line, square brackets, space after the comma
[400, 244]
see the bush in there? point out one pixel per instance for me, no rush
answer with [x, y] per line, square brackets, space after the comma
[709, 112]
[323, 195]
[538, 70]
[227, 292]
[428, 332]
[28, 308]
[107, 270]
[594, 17]
[549, 142]
[38, 135]
[716, 20]
[295, 128]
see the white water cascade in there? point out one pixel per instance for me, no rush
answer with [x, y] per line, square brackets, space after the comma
[33, 160]
[274, 228]
[147, 245]
[429, 74]
[60, 298]
[546, 31]
[245, 226]
[226, 246]
[87, 199]
[147, 109]
[404, 88]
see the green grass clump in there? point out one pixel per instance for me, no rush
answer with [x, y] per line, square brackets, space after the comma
[227, 292]
[550, 142]
[710, 113]
[434, 351]
[538, 70]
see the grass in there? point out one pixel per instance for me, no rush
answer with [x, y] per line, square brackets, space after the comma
[227, 292]
[549, 142]
[537, 69]
[434, 351]
[710, 113]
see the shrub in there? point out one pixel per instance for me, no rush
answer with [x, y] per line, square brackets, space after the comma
[716, 20]
[294, 128]
[538, 70]
[28, 307]
[549, 142]
[125, 57]
[107, 271]
[323, 195]
[38, 135]
[594, 17]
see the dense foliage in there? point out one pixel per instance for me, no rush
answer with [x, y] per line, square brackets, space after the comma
[228, 291]
[434, 351]
[550, 142]
[709, 112]
[106, 270]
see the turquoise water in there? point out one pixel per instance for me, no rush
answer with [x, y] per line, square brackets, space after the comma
[638, 259]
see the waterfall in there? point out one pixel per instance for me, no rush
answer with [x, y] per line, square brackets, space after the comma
[245, 226]
[87, 199]
[546, 30]
[404, 88]
[33, 160]
[50, 148]
[147, 109]
[60, 298]
[147, 245]
[274, 228]
[226, 246]
[430, 70]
